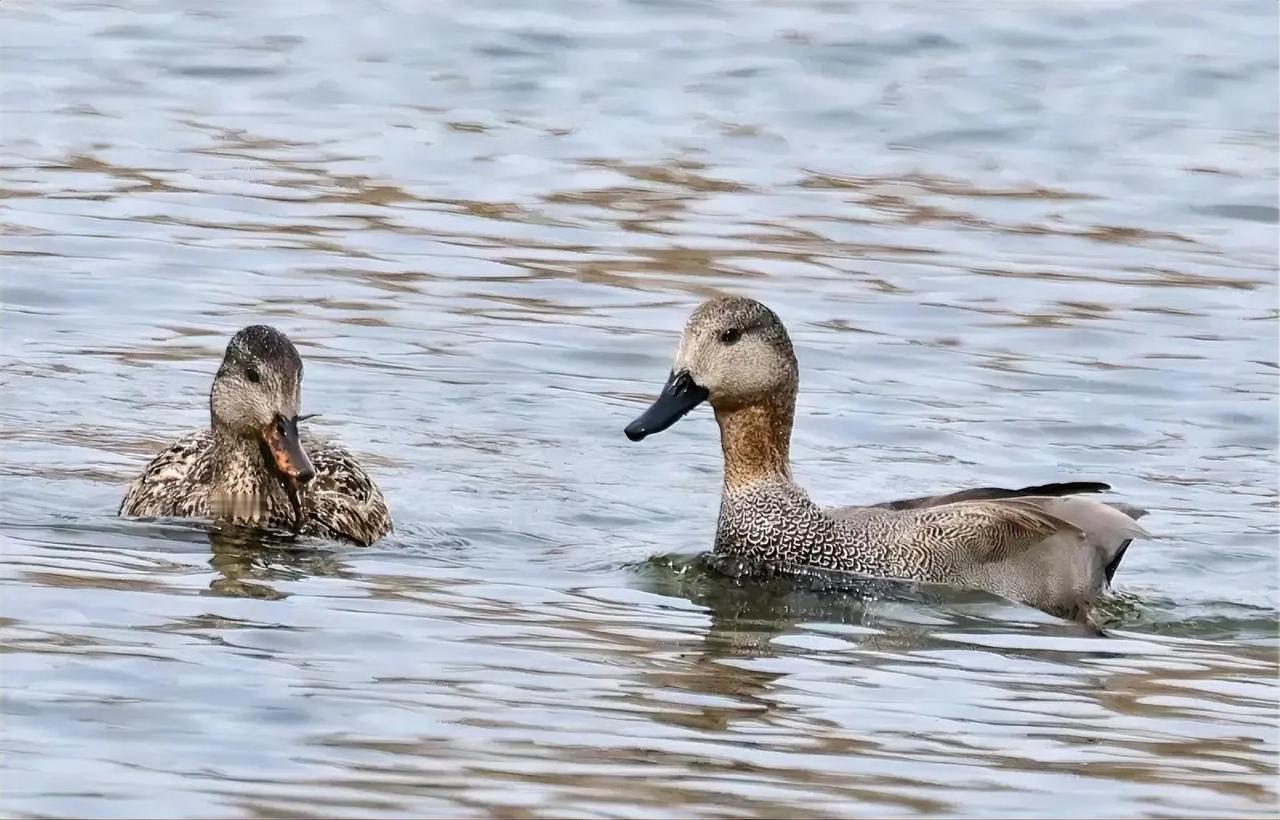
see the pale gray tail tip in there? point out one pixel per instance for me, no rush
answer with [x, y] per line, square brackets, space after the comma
[1128, 509]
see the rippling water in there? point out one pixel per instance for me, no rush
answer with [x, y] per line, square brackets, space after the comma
[1014, 243]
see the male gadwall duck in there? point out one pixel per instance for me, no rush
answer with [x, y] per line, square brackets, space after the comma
[252, 467]
[1045, 546]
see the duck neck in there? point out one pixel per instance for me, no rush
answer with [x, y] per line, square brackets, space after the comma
[756, 440]
[244, 489]
[237, 463]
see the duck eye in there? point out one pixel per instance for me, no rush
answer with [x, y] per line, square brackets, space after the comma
[731, 335]
[253, 375]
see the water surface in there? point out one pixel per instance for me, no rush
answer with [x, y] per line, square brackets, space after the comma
[1014, 243]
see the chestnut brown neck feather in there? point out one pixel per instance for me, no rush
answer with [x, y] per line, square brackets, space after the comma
[756, 440]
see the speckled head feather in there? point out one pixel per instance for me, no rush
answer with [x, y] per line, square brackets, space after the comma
[265, 344]
[738, 350]
[260, 377]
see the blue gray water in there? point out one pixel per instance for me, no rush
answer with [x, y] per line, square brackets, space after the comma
[1014, 243]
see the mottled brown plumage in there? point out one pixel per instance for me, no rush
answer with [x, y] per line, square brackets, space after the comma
[229, 473]
[1046, 545]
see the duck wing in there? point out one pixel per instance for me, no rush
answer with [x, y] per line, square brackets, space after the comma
[993, 530]
[1055, 552]
[995, 494]
[1065, 488]
[175, 483]
[342, 500]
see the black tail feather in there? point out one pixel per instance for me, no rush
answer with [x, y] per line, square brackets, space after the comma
[1115, 562]
[998, 493]
[1065, 488]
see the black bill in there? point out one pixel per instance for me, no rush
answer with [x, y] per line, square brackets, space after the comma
[679, 396]
[284, 445]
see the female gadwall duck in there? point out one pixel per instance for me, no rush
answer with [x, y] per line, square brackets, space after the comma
[252, 467]
[1045, 546]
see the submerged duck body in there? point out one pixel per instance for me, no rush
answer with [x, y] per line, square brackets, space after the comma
[1047, 546]
[253, 467]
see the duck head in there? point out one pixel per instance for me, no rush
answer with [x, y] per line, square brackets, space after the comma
[734, 353]
[255, 399]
